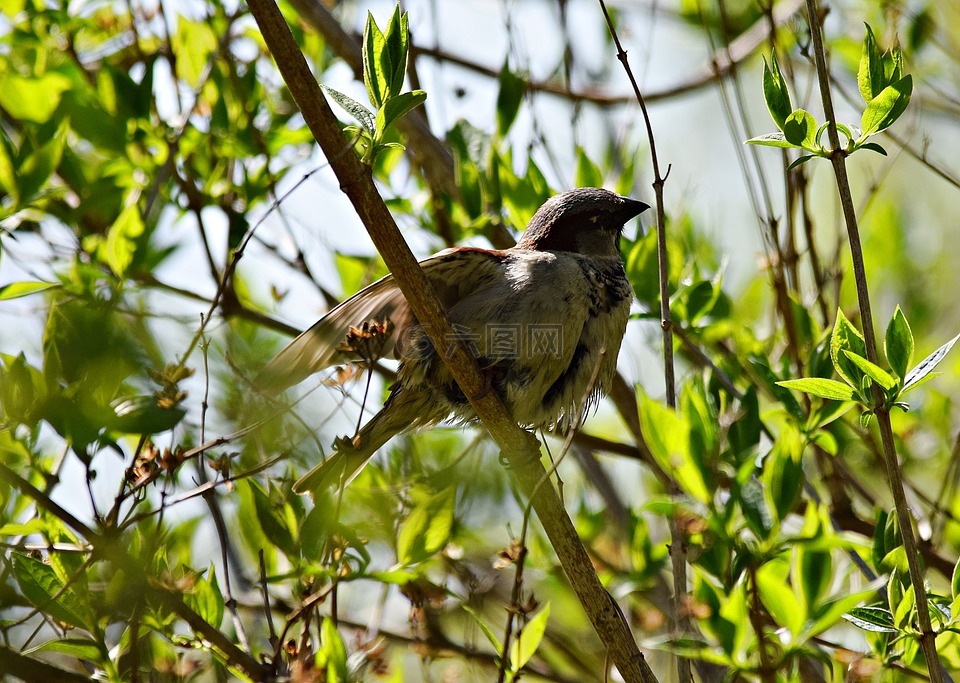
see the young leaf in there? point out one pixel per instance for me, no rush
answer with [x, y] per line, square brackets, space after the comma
[362, 115]
[15, 290]
[898, 343]
[775, 92]
[80, 648]
[397, 107]
[824, 388]
[484, 628]
[426, 529]
[587, 174]
[800, 129]
[528, 640]
[374, 77]
[955, 581]
[779, 598]
[668, 435]
[874, 147]
[884, 109]
[509, 98]
[395, 52]
[205, 598]
[846, 337]
[870, 76]
[770, 140]
[123, 239]
[40, 585]
[871, 370]
[927, 365]
[801, 160]
[334, 652]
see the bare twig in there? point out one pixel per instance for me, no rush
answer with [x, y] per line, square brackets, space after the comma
[677, 549]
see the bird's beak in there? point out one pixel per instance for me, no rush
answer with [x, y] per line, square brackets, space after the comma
[633, 207]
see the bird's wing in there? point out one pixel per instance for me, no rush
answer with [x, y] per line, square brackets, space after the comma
[453, 274]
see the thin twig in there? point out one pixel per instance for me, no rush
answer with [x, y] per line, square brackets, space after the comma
[904, 517]
[677, 545]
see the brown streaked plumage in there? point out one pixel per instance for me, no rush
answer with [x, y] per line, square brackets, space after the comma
[544, 319]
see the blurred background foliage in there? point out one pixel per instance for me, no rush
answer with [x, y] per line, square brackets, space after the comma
[148, 526]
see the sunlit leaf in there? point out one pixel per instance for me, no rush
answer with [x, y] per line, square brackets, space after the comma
[527, 641]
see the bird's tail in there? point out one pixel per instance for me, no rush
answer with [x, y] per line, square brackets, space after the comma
[402, 411]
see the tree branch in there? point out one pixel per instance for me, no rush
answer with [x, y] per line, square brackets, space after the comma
[520, 448]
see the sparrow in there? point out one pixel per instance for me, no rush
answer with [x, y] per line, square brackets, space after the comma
[544, 319]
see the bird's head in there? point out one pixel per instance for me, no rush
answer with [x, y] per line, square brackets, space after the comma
[587, 221]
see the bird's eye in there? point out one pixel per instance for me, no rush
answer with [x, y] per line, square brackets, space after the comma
[593, 219]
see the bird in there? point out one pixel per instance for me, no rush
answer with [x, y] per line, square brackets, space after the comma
[544, 319]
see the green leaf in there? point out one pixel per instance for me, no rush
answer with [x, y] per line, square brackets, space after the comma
[824, 388]
[375, 78]
[955, 580]
[754, 507]
[830, 613]
[870, 75]
[426, 529]
[528, 640]
[874, 619]
[397, 107]
[799, 161]
[778, 598]
[205, 598]
[395, 52]
[783, 473]
[920, 382]
[40, 585]
[484, 628]
[871, 370]
[775, 92]
[361, 114]
[143, 415]
[34, 525]
[33, 175]
[193, 44]
[668, 436]
[873, 147]
[886, 108]
[898, 344]
[31, 98]
[509, 98]
[846, 337]
[700, 299]
[15, 290]
[587, 174]
[814, 571]
[771, 140]
[926, 366]
[333, 653]
[274, 520]
[123, 239]
[744, 433]
[80, 648]
[800, 129]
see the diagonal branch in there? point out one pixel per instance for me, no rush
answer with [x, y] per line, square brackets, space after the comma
[520, 448]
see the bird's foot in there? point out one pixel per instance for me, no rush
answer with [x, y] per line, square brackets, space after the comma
[491, 377]
[344, 444]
